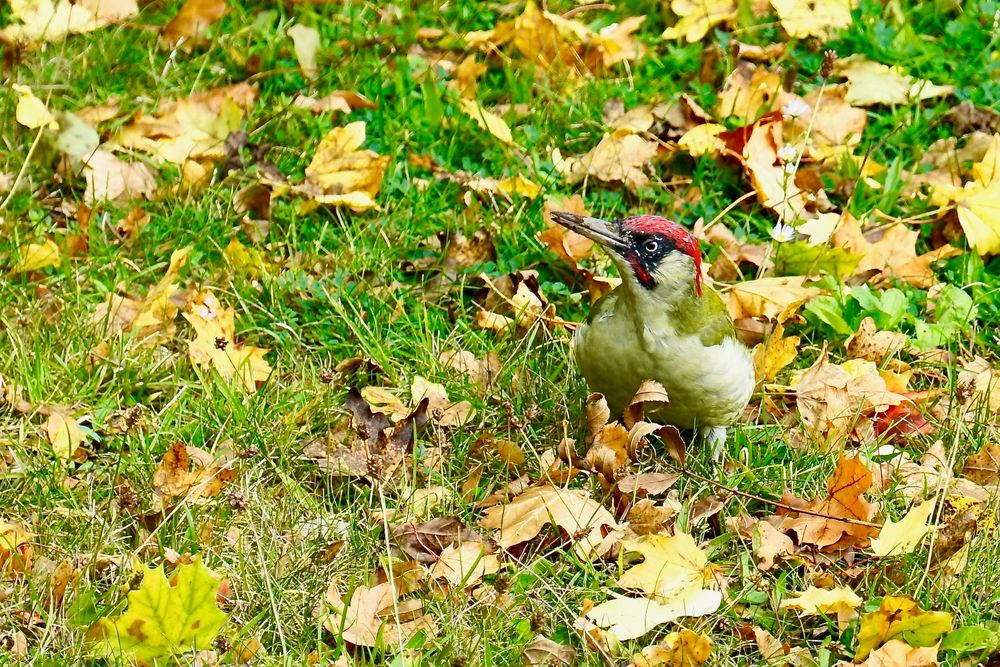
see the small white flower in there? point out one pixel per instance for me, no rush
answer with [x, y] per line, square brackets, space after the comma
[790, 168]
[782, 233]
[795, 107]
[787, 153]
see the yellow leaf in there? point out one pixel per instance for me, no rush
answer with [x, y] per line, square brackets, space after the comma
[774, 298]
[702, 139]
[672, 565]
[628, 618]
[902, 537]
[464, 564]
[164, 618]
[45, 20]
[814, 601]
[341, 173]
[306, 42]
[697, 17]
[870, 82]
[809, 18]
[487, 120]
[749, 92]
[774, 354]
[65, 434]
[31, 111]
[37, 256]
[979, 203]
[679, 649]
[902, 618]
[15, 549]
[215, 345]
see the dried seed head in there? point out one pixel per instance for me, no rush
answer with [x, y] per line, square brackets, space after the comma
[221, 343]
[829, 59]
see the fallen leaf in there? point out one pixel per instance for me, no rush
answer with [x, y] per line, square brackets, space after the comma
[671, 565]
[16, 551]
[697, 18]
[424, 542]
[189, 25]
[774, 354]
[900, 618]
[214, 344]
[983, 467]
[703, 139]
[174, 476]
[806, 18]
[574, 511]
[343, 101]
[31, 111]
[36, 256]
[543, 652]
[567, 244]
[873, 345]
[465, 564]
[341, 174]
[442, 411]
[769, 543]
[896, 653]
[164, 618]
[65, 434]
[306, 42]
[870, 82]
[749, 92]
[109, 178]
[369, 618]
[45, 20]
[903, 537]
[617, 158]
[894, 254]
[842, 602]
[772, 298]
[628, 618]
[679, 649]
[487, 120]
[978, 202]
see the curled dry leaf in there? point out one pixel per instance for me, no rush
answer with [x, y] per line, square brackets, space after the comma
[621, 157]
[584, 520]
[425, 541]
[343, 101]
[174, 476]
[647, 518]
[341, 173]
[543, 652]
[189, 25]
[841, 602]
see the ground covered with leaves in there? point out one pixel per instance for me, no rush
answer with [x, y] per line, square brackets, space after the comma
[286, 374]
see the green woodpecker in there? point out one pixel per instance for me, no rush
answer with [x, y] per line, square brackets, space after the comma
[662, 324]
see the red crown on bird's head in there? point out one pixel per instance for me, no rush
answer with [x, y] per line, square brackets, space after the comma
[682, 239]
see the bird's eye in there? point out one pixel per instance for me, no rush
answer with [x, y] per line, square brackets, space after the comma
[651, 246]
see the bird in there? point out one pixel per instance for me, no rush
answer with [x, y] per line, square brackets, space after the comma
[663, 324]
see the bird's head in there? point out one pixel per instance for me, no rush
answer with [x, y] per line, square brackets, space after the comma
[650, 251]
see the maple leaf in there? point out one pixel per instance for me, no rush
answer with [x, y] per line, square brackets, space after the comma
[164, 618]
[841, 601]
[697, 18]
[214, 345]
[978, 203]
[619, 157]
[671, 565]
[845, 491]
[341, 174]
[983, 467]
[774, 353]
[870, 82]
[902, 537]
[679, 649]
[807, 18]
[900, 617]
[585, 520]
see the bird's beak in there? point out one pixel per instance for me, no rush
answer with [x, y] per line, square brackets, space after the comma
[606, 233]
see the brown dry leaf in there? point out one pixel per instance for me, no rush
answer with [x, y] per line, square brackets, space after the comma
[679, 649]
[869, 82]
[776, 188]
[845, 491]
[830, 122]
[647, 518]
[109, 178]
[442, 411]
[370, 618]
[54, 20]
[570, 246]
[620, 157]
[480, 371]
[771, 298]
[215, 346]
[16, 552]
[65, 434]
[343, 101]
[585, 520]
[550, 40]
[189, 25]
[983, 467]
[774, 354]
[341, 173]
[894, 254]
[834, 399]
[897, 653]
[770, 543]
[984, 380]
[465, 564]
[873, 345]
[543, 652]
[174, 476]
[647, 484]
[424, 542]
[375, 449]
[841, 601]
[150, 318]
[749, 92]
[697, 18]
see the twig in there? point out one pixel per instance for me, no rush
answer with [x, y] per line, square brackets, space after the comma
[24, 168]
[586, 8]
[736, 202]
[777, 503]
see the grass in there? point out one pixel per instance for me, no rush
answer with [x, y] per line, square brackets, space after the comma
[344, 287]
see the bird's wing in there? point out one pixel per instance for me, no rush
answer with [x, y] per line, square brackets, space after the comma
[602, 306]
[717, 325]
